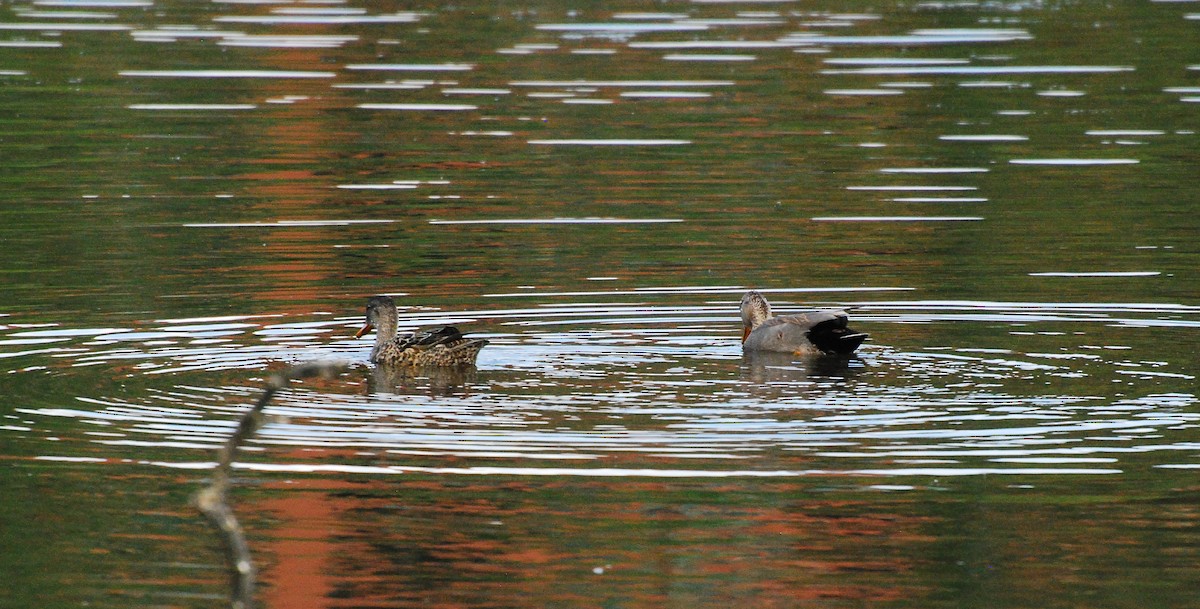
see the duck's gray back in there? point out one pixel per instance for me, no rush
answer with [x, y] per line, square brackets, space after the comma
[789, 333]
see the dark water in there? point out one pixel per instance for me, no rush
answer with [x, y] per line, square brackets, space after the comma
[196, 194]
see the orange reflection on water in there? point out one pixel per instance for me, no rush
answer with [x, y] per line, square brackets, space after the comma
[303, 549]
[509, 542]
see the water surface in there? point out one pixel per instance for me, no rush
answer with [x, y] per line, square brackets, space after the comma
[202, 193]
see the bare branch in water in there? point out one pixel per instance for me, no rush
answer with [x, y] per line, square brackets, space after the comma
[213, 500]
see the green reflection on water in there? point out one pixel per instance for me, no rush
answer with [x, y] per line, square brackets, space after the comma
[99, 201]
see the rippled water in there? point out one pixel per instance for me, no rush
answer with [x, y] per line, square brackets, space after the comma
[643, 390]
[202, 193]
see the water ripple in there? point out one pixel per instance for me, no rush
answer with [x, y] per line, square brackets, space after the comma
[631, 389]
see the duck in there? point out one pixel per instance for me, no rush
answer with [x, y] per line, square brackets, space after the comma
[444, 347]
[822, 332]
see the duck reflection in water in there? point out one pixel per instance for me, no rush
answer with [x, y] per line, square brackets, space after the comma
[407, 380]
[764, 367]
[795, 347]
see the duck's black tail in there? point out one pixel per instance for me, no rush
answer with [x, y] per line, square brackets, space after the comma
[835, 337]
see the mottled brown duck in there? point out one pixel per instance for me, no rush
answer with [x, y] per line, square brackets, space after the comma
[443, 347]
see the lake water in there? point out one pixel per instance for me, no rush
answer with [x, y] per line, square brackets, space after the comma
[197, 194]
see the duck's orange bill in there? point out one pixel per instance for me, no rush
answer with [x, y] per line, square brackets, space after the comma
[745, 333]
[367, 328]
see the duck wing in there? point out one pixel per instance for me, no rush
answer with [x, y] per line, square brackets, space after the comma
[424, 339]
[448, 337]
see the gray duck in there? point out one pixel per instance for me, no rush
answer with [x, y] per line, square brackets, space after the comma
[809, 333]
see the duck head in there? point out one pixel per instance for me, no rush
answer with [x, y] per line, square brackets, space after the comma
[381, 315]
[755, 310]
